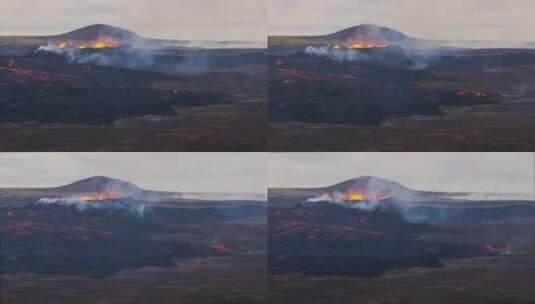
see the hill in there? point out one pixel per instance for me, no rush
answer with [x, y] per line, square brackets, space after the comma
[363, 32]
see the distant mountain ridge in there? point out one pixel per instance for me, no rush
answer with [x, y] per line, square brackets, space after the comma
[362, 183]
[365, 181]
[360, 32]
[97, 184]
[394, 189]
[372, 32]
[100, 184]
[98, 31]
[368, 32]
[122, 36]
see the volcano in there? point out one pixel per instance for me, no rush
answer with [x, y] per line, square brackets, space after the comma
[357, 189]
[361, 35]
[369, 188]
[369, 32]
[92, 189]
[101, 184]
[99, 36]
[99, 31]
[369, 182]
[91, 36]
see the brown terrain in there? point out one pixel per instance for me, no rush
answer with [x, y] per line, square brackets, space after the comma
[501, 269]
[239, 126]
[503, 279]
[140, 94]
[319, 102]
[208, 280]
[494, 127]
[178, 251]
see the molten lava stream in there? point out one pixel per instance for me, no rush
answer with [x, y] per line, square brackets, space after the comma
[353, 196]
[221, 248]
[98, 44]
[364, 44]
[108, 195]
[477, 93]
[357, 196]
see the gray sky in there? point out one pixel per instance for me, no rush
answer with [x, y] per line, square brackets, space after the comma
[180, 19]
[471, 172]
[187, 172]
[487, 20]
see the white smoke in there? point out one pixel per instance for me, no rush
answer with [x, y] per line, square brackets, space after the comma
[337, 54]
[50, 47]
[70, 53]
[130, 56]
[395, 55]
[128, 204]
[127, 57]
[338, 198]
[372, 189]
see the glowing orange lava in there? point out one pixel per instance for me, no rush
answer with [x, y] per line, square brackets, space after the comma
[354, 196]
[97, 44]
[471, 93]
[364, 44]
[357, 196]
[108, 195]
[221, 248]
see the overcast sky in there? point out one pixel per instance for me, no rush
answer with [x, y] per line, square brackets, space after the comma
[488, 20]
[186, 172]
[470, 172]
[180, 19]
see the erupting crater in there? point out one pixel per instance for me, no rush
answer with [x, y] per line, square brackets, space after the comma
[358, 196]
[103, 43]
[351, 196]
[104, 196]
[363, 44]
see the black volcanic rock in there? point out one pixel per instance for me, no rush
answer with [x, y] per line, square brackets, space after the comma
[332, 240]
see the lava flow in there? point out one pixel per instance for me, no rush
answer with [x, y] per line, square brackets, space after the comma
[105, 196]
[476, 93]
[358, 196]
[22, 75]
[97, 44]
[364, 44]
[496, 248]
[221, 248]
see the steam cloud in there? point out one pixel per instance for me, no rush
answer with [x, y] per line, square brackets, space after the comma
[128, 56]
[337, 54]
[400, 198]
[393, 55]
[337, 197]
[128, 204]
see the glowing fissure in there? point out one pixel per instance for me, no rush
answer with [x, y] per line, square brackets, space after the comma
[357, 196]
[97, 44]
[363, 44]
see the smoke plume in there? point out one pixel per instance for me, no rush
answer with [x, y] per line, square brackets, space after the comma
[125, 203]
